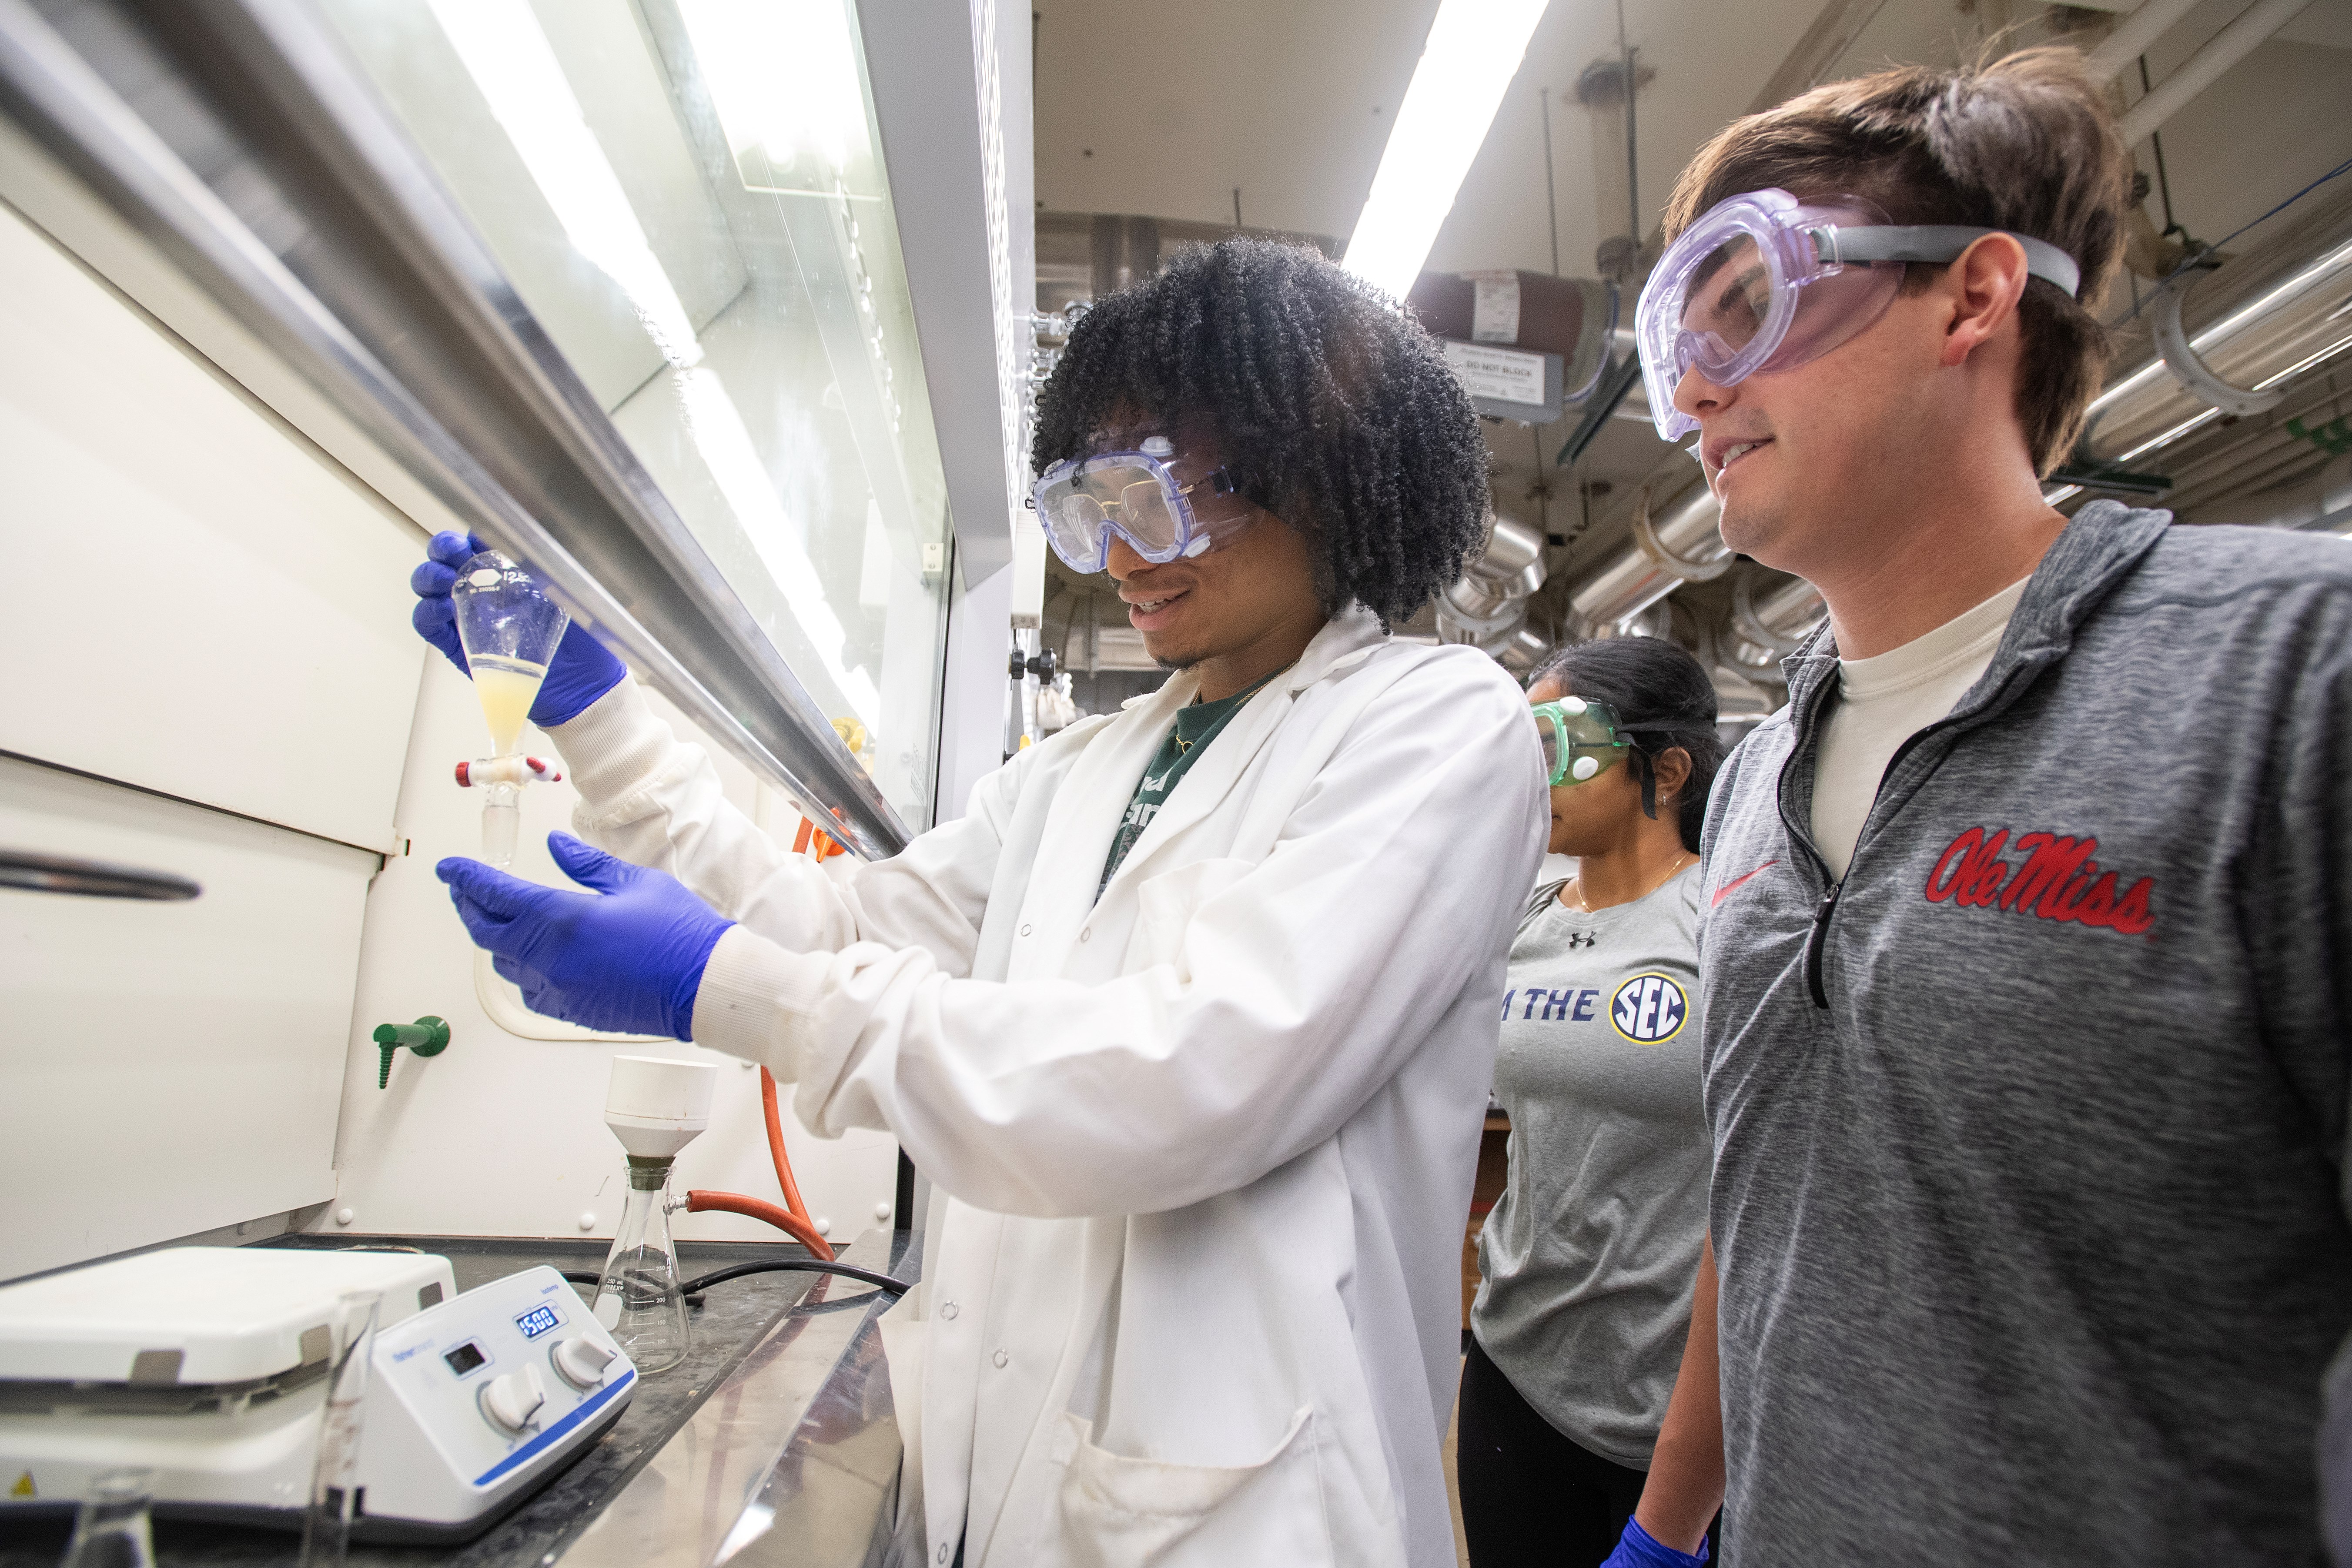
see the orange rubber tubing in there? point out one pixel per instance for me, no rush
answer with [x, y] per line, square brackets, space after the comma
[800, 1230]
[776, 1147]
[794, 1218]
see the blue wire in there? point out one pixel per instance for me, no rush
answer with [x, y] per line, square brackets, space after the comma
[2208, 250]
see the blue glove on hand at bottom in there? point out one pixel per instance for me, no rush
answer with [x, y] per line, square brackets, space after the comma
[1637, 1548]
[625, 958]
[583, 670]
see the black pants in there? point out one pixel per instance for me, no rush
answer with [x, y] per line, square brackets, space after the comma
[1529, 1495]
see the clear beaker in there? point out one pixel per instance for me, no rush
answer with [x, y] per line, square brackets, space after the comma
[111, 1531]
[334, 1475]
[509, 629]
[638, 1297]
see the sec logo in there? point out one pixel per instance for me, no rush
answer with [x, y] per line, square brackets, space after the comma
[1648, 1010]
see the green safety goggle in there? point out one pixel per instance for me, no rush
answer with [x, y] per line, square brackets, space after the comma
[1580, 739]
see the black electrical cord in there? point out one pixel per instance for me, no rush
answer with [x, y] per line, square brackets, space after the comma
[695, 1287]
[2203, 251]
[794, 1265]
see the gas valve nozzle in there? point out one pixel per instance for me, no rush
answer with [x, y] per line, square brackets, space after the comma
[428, 1037]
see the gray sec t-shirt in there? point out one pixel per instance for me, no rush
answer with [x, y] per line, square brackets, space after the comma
[1591, 1253]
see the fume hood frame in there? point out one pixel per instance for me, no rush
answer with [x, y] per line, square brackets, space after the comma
[236, 137]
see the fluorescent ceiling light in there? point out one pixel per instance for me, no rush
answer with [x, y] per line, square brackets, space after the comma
[1474, 52]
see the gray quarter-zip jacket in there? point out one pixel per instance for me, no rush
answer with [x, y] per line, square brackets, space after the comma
[2030, 1196]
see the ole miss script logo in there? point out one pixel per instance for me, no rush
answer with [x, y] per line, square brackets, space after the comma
[2042, 875]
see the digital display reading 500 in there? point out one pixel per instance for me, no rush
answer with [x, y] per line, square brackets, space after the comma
[538, 1320]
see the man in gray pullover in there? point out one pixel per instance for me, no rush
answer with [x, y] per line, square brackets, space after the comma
[2027, 953]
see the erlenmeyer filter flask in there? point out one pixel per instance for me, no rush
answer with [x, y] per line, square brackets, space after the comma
[638, 1300]
[508, 627]
[111, 1531]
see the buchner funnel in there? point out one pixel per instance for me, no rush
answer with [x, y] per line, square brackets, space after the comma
[508, 627]
[655, 1107]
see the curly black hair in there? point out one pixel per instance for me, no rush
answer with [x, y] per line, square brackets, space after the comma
[1334, 407]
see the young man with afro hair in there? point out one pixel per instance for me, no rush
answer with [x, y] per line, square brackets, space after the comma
[1190, 1018]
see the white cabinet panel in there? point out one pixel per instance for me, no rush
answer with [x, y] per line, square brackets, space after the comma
[503, 1136]
[167, 1068]
[207, 604]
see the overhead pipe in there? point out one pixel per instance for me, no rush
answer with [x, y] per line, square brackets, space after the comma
[1771, 622]
[1683, 543]
[2132, 36]
[2234, 43]
[1488, 606]
[2179, 357]
[2256, 347]
[2249, 462]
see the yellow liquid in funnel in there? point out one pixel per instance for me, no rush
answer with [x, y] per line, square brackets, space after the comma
[507, 687]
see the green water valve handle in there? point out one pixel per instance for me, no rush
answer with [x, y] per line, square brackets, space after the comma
[428, 1037]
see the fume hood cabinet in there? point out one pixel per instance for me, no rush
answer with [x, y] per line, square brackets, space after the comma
[621, 286]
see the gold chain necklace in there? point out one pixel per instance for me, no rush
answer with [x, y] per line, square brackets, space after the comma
[1683, 862]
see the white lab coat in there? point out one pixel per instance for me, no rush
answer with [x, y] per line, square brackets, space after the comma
[1202, 1150]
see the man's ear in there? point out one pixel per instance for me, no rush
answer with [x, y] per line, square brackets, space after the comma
[1983, 285]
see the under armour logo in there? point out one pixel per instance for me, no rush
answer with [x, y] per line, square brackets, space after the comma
[1577, 939]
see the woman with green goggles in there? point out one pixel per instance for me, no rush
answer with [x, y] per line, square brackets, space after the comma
[1578, 1332]
[1580, 738]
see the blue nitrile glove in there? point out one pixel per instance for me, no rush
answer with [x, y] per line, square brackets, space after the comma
[583, 672]
[625, 958]
[1637, 1548]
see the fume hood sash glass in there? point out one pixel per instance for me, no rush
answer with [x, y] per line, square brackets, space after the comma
[703, 474]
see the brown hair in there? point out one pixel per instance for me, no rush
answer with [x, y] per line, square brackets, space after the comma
[2025, 144]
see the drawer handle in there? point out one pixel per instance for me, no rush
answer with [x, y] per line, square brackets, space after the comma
[92, 879]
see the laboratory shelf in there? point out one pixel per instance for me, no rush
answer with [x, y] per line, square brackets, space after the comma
[802, 1346]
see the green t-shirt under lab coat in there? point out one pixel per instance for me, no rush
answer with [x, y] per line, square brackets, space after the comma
[1197, 724]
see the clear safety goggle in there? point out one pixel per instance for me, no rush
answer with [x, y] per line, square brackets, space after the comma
[1082, 501]
[1765, 281]
[1579, 739]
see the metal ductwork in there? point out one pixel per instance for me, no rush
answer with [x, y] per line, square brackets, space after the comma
[1680, 543]
[1488, 606]
[2257, 346]
[1772, 614]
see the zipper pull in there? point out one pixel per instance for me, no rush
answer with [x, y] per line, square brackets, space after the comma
[1822, 913]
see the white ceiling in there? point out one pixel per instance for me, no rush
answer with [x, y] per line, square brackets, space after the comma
[1163, 109]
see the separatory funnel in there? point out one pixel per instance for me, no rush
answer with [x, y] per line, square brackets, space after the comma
[509, 629]
[655, 1107]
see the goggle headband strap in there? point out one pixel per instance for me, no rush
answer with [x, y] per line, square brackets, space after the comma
[1936, 244]
[1647, 767]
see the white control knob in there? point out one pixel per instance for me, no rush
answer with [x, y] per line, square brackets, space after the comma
[513, 1401]
[582, 1360]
